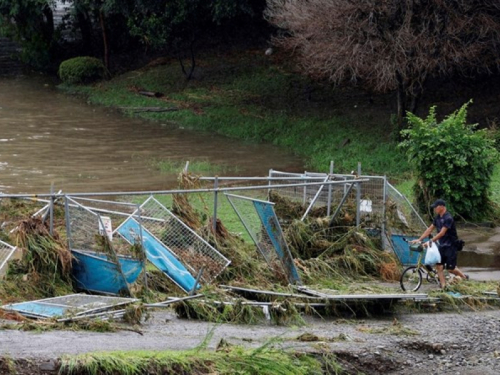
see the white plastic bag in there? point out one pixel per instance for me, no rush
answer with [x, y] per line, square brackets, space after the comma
[432, 256]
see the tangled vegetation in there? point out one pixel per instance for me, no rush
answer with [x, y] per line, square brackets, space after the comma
[43, 270]
[332, 257]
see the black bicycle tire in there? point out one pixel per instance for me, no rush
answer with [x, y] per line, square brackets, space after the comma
[411, 269]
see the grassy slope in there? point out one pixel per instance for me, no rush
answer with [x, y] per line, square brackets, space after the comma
[253, 97]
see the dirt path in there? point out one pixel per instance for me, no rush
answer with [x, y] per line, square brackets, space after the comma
[441, 343]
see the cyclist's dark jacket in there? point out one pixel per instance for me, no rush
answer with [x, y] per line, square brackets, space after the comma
[450, 236]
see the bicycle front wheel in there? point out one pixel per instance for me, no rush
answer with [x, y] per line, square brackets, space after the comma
[411, 279]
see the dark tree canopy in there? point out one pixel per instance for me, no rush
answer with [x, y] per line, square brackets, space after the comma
[31, 23]
[391, 44]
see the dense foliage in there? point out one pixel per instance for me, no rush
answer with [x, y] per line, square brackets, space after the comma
[103, 27]
[181, 25]
[453, 160]
[31, 23]
[82, 69]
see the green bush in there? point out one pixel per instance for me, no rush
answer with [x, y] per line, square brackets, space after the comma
[453, 161]
[83, 69]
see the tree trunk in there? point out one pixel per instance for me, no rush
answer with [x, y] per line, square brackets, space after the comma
[48, 25]
[401, 105]
[86, 30]
[104, 39]
[189, 74]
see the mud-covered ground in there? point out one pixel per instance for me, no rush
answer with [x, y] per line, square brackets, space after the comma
[438, 343]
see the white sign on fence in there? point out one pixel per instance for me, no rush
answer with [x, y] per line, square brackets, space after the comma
[108, 228]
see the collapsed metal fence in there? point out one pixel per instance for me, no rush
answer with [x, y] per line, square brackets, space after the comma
[6, 252]
[264, 228]
[376, 204]
[196, 253]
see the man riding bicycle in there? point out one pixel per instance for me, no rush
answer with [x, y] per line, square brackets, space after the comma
[446, 239]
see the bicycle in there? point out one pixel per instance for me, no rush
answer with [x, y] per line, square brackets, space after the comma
[411, 278]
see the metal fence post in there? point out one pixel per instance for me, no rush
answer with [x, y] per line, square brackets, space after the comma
[51, 209]
[270, 183]
[358, 203]
[304, 198]
[68, 225]
[358, 197]
[145, 257]
[384, 200]
[216, 196]
[314, 199]
[329, 202]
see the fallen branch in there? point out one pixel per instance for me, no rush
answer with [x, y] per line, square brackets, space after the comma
[150, 109]
[151, 94]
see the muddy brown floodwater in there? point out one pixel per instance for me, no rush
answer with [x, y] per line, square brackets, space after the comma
[49, 137]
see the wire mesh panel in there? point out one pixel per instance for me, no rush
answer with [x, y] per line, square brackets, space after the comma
[97, 266]
[6, 251]
[187, 246]
[111, 212]
[402, 218]
[302, 194]
[245, 209]
[70, 305]
[82, 227]
[263, 226]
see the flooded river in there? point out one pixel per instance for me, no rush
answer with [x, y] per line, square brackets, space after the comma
[49, 137]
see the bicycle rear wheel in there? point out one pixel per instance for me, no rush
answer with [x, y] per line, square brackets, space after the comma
[411, 279]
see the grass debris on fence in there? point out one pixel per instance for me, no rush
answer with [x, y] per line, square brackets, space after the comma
[44, 269]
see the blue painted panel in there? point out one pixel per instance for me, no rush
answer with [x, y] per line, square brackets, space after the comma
[402, 250]
[93, 272]
[158, 254]
[270, 222]
[38, 309]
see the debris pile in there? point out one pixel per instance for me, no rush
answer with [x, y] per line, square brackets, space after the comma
[286, 265]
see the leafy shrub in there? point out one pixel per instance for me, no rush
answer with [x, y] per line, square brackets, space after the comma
[453, 161]
[81, 69]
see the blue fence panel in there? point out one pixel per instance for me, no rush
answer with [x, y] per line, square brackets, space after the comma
[94, 272]
[273, 229]
[158, 254]
[402, 249]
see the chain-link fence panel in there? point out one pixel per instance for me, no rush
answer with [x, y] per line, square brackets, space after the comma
[191, 249]
[368, 202]
[402, 218]
[83, 227]
[6, 252]
[315, 194]
[98, 267]
[263, 226]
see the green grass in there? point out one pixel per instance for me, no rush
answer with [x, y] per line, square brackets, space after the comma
[229, 360]
[495, 185]
[251, 98]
